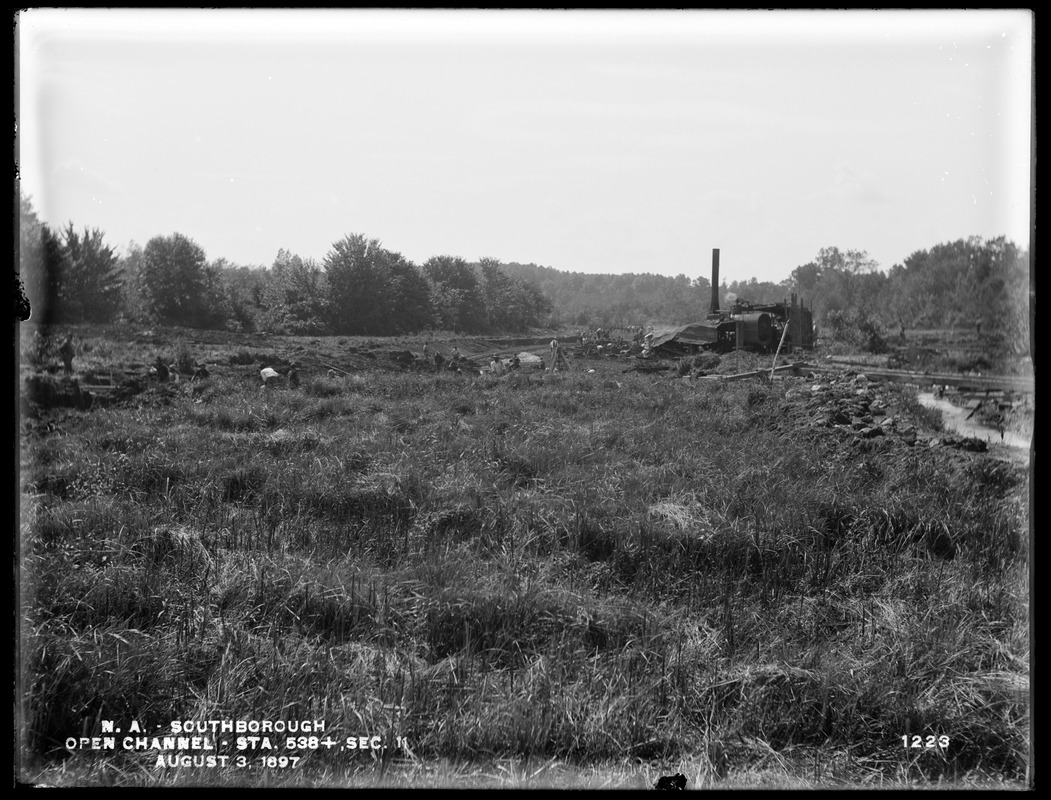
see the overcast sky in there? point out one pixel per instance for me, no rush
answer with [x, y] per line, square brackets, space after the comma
[586, 141]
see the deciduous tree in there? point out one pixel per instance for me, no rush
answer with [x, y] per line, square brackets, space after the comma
[411, 297]
[359, 286]
[294, 295]
[456, 293]
[178, 286]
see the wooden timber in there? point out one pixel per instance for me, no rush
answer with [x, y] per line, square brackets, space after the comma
[793, 368]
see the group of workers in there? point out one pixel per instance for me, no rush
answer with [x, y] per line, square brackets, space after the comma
[497, 365]
[271, 376]
[601, 343]
[556, 361]
[170, 373]
[635, 334]
[455, 362]
[162, 370]
[166, 372]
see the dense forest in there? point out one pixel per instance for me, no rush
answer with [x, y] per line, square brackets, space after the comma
[363, 288]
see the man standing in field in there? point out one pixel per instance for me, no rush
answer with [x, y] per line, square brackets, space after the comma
[67, 351]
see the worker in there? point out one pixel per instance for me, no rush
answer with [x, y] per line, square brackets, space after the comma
[268, 374]
[162, 370]
[426, 352]
[647, 347]
[67, 351]
[496, 366]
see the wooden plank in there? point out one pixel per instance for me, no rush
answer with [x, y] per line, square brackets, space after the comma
[800, 365]
[337, 369]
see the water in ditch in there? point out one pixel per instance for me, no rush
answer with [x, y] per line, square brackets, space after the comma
[955, 419]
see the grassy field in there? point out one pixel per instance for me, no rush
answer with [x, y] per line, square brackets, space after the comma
[590, 578]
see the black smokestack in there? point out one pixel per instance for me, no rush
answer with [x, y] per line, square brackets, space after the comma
[715, 281]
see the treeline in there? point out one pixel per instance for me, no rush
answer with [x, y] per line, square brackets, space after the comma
[360, 288]
[968, 283]
[613, 301]
[974, 284]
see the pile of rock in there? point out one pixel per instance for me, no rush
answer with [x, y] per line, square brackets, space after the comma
[851, 402]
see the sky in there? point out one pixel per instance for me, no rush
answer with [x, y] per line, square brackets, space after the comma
[588, 141]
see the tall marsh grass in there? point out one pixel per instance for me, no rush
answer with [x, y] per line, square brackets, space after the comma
[584, 567]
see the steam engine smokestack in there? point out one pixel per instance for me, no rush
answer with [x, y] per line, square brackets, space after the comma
[715, 281]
